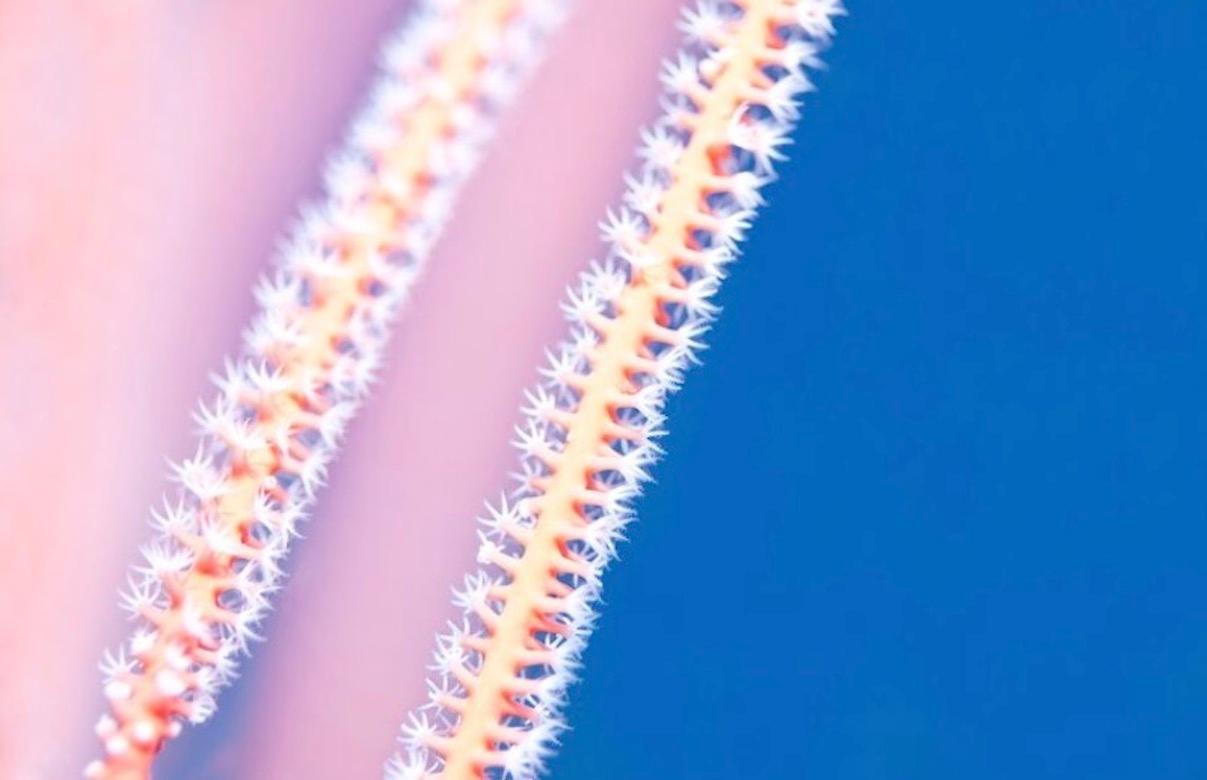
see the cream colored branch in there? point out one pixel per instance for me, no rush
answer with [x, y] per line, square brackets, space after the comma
[500, 676]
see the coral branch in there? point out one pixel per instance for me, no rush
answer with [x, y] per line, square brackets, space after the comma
[307, 362]
[501, 675]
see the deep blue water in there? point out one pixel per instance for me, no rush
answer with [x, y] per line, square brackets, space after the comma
[934, 506]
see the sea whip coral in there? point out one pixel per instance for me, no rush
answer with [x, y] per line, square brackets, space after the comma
[500, 675]
[307, 362]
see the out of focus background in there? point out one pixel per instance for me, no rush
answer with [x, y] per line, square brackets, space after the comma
[933, 507]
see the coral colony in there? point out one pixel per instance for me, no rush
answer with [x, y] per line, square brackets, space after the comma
[637, 319]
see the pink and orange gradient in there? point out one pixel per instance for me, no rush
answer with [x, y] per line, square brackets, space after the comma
[149, 157]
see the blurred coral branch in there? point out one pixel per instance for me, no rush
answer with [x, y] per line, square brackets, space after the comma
[307, 363]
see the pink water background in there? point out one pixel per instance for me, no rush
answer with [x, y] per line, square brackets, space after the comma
[151, 155]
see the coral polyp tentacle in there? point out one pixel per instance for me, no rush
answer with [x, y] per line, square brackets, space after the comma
[307, 362]
[637, 320]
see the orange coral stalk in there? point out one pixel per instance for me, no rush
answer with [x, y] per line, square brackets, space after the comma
[501, 675]
[307, 363]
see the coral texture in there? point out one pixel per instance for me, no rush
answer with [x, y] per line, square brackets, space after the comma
[500, 675]
[307, 363]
